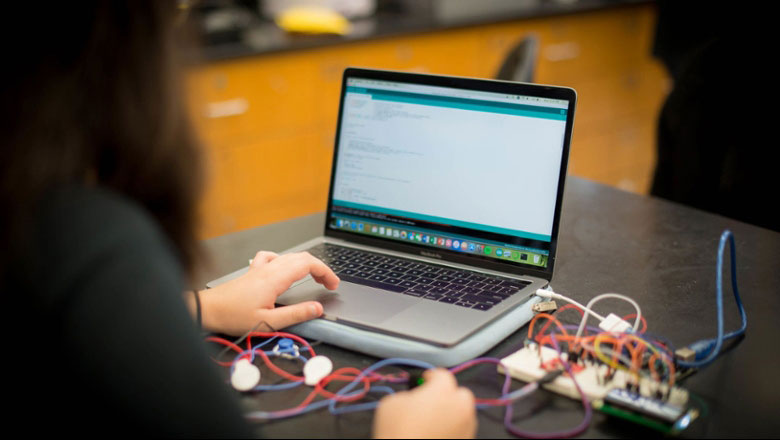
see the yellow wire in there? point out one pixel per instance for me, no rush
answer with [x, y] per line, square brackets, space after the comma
[616, 365]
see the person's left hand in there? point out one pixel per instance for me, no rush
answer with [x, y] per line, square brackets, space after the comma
[239, 305]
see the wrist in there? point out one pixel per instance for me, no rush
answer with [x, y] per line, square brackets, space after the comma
[209, 311]
[192, 303]
[198, 320]
[193, 299]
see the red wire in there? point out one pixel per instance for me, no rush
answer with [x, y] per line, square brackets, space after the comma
[278, 370]
[343, 374]
[569, 307]
[629, 318]
[336, 375]
[224, 342]
[372, 378]
[227, 343]
[304, 342]
[563, 308]
[319, 389]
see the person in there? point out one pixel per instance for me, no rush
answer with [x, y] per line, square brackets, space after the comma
[712, 143]
[99, 185]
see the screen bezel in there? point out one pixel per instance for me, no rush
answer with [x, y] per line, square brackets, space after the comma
[542, 91]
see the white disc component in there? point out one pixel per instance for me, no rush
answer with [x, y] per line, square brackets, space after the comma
[245, 375]
[316, 369]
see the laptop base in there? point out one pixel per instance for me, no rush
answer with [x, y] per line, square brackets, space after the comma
[386, 346]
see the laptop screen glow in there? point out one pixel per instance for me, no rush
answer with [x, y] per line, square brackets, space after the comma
[462, 170]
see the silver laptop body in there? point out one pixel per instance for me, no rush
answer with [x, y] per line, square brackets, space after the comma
[458, 179]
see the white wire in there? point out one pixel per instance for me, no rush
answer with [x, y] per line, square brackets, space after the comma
[550, 294]
[598, 298]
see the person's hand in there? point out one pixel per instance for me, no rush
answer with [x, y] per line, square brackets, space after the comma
[436, 409]
[239, 305]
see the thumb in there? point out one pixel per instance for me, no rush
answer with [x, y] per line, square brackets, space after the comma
[440, 378]
[285, 316]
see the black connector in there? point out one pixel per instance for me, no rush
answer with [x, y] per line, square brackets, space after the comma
[415, 380]
[549, 377]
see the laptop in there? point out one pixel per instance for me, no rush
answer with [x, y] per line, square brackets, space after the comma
[444, 203]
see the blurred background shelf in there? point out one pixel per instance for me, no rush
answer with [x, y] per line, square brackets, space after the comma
[266, 102]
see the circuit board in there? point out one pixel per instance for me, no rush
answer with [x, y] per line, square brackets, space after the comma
[618, 393]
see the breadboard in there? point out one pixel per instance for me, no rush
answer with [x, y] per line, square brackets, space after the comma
[533, 362]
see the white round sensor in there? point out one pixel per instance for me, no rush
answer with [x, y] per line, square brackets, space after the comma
[245, 375]
[316, 369]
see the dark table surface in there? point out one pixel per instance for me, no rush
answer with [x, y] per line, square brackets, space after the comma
[659, 253]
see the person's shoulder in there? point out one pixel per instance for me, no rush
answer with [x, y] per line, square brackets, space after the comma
[81, 230]
[81, 216]
[92, 204]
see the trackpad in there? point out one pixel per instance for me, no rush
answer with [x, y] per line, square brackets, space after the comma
[350, 302]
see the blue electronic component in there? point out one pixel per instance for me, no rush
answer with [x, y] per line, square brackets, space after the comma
[707, 350]
[645, 405]
[286, 344]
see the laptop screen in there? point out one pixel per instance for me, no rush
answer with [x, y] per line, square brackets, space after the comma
[453, 169]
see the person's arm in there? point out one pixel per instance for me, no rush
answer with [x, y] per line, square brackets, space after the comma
[129, 344]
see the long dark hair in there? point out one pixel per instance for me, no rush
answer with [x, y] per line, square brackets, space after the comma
[92, 93]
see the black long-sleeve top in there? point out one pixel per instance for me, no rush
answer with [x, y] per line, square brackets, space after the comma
[98, 334]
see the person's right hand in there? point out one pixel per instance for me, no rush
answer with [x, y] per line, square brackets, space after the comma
[436, 409]
[239, 305]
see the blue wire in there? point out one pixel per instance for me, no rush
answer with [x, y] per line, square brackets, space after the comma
[656, 341]
[302, 358]
[268, 353]
[279, 387]
[252, 354]
[270, 414]
[383, 363]
[707, 350]
[311, 407]
[363, 406]
[345, 392]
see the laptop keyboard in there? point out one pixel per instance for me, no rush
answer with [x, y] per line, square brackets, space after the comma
[423, 280]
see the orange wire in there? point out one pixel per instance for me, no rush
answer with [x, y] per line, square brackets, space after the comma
[549, 317]
[635, 347]
[651, 364]
[562, 309]
[631, 317]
